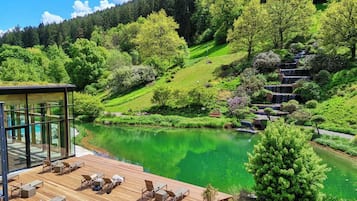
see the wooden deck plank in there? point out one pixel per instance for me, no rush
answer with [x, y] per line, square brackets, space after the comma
[69, 184]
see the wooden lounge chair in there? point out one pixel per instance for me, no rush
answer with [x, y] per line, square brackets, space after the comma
[89, 179]
[26, 190]
[59, 198]
[47, 165]
[10, 177]
[151, 188]
[178, 194]
[69, 167]
[110, 184]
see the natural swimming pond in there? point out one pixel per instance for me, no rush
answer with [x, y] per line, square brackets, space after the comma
[203, 156]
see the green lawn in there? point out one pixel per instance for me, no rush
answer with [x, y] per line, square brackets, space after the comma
[208, 49]
[340, 111]
[199, 73]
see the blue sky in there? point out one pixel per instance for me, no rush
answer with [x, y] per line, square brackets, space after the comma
[33, 12]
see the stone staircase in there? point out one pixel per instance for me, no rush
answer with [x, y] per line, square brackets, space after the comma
[283, 92]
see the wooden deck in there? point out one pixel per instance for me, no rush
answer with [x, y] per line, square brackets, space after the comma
[68, 185]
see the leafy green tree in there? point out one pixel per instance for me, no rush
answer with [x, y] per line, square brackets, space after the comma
[339, 25]
[287, 19]
[20, 64]
[318, 119]
[200, 96]
[56, 68]
[248, 28]
[13, 69]
[223, 13]
[158, 39]
[87, 64]
[269, 111]
[87, 107]
[284, 166]
[161, 96]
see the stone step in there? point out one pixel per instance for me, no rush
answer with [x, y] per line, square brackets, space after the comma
[281, 88]
[281, 97]
[293, 79]
[288, 65]
[276, 113]
[262, 106]
[294, 72]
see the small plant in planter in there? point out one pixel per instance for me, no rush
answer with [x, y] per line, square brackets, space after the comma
[210, 193]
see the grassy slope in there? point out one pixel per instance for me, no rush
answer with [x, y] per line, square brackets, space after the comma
[340, 111]
[197, 72]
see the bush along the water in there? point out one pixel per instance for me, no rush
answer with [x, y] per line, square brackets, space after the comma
[338, 143]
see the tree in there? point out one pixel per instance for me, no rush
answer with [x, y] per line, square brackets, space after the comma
[284, 165]
[269, 111]
[318, 119]
[161, 96]
[248, 28]
[223, 13]
[87, 62]
[158, 40]
[87, 107]
[339, 25]
[287, 19]
[56, 68]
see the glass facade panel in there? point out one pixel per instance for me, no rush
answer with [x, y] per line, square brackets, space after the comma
[72, 131]
[36, 127]
[38, 144]
[16, 149]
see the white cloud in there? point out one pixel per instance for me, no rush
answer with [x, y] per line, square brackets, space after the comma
[120, 1]
[48, 18]
[104, 4]
[2, 33]
[81, 9]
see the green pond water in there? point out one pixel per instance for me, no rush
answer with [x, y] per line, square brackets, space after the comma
[203, 156]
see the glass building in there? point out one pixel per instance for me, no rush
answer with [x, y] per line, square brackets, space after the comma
[38, 123]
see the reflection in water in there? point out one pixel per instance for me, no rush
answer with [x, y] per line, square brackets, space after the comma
[202, 156]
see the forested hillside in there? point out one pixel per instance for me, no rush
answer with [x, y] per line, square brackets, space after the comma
[194, 17]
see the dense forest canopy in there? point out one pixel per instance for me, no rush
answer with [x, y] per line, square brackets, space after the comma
[198, 20]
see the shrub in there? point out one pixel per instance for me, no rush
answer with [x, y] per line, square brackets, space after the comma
[290, 106]
[220, 36]
[317, 62]
[296, 47]
[210, 193]
[322, 78]
[128, 77]
[251, 82]
[237, 102]
[284, 166]
[241, 113]
[300, 117]
[161, 96]
[308, 91]
[87, 107]
[272, 77]
[206, 36]
[266, 61]
[260, 96]
[311, 104]
[354, 140]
